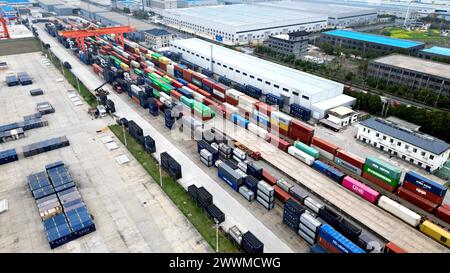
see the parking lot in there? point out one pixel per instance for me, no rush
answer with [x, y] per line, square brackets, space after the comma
[130, 211]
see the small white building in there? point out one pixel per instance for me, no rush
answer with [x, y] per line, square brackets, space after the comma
[157, 38]
[417, 148]
[342, 116]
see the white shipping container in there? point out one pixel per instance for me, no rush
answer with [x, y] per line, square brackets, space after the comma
[405, 214]
[300, 155]
[308, 220]
[164, 95]
[239, 154]
[219, 94]
[233, 93]
[208, 163]
[237, 159]
[286, 186]
[215, 145]
[217, 163]
[323, 153]
[248, 194]
[170, 70]
[135, 89]
[247, 102]
[198, 97]
[189, 90]
[280, 117]
[241, 173]
[313, 204]
[150, 65]
[236, 234]
[307, 231]
[163, 99]
[135, 64]
[266, 188]
[261, 115]
[261, 132]
[268, 206]
[265, 197]
[242, 166]
[206, 154]
[306, 237]
[230, 107]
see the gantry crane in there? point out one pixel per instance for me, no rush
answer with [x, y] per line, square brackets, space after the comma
[4, 34]
[79, 35]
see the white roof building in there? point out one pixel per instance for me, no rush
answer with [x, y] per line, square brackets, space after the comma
[294, 85]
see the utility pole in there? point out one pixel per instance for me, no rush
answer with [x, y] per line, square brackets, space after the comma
[160, 175]
[124, 135]
[217, 235]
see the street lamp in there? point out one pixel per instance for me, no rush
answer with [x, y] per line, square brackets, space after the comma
[160, 175]
[124, 135]
[217, 234]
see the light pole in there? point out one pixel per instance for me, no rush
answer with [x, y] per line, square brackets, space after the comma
[217, 234]
[160, 175]
[124, 135]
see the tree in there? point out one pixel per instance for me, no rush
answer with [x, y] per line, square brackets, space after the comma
[126, 10]
[349, 76]
[327, 48]
[140, 14]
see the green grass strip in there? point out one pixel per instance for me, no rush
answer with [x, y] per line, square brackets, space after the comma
[196, 215]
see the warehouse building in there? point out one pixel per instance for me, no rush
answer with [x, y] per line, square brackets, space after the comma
[435, 53]
[242, 24]
[49, 5]
[364, 42]
[63, 10]
[196, 3]
[339, 15]
[293, 85]
[16, 3]
[414, 72]
[417, 148]
[295, 43]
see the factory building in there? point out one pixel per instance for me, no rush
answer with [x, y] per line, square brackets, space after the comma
[196, 3]
[295, 43]
[63, 10]
[293, 85]
[435, 53]
[414, 72]
[242, 23]
[339, 15]
[364, 42]
[49, 5]
[412, 146]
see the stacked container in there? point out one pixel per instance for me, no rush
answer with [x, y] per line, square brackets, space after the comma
[254, 170]
[225, 151]
[171, 165]
[307, 149]
[300, 155]
[361, 189]
[8, 156]
[291, 214]
[349, 161]
[334, 242]
[328, 171]
[298, 193]
[296, 110]
[301, 131]
[230, 176]
[325, 148]
[246, 105]
[422, 191]
[382, 173]
[232, 96]
[204, 198]
[239, 155]
[247, 193]
[251, 244]
[265, 195]
[280, 122]
[309, 227]
[272, 99]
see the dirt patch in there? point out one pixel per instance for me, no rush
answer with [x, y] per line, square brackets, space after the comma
[19, 46]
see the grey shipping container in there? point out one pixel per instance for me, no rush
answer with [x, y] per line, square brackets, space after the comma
[266, 188]
[248, 194]
[307, 231]
[309, 221]
[313, 204]
[267, 205]
[286, 186]
[265, 197]
[305, 237]
[208, 163]
[298, 193]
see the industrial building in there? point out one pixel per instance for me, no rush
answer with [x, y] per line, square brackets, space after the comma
[242, 24]
[295, 43]
[422, 150]
[339, 15]
[63, 10]
[342, 116]
[364, 42]
[312, 92]
[196, 3]
[414, 72]
[16, 3]
[435, 53]
[49, 5]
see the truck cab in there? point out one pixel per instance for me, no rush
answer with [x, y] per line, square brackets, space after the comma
[101, 110]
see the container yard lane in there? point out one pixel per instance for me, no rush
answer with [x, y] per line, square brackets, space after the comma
[369, 215]
[236, 213]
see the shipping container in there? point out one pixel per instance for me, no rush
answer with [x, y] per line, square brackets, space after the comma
[325, 148]
[298, 193]
[417, 200]
[425, 183]
[423, 193]
[393, 248]
[301, 131]
[247, 193]
[251, 244]
[405, 214]
[380, 183]
[443, 213]
[342, 244]
[254, 170]
[299, 111]
[230, 176]
[384, 168]
[281, 194]
[267, 177]
[376, 174]
[300, 155]
[361, 189]
[328, 171]
[313, 204]
[437, 233]
[307, 149]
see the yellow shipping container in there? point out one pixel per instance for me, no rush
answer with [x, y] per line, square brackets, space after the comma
[436, 232]
[136, 50]
[148, 56]
[283, 126]
[164, 60]
[124, 66]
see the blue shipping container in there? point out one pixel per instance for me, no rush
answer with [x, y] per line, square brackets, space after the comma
[425, 183]
[237, 119]
[272, 99]
[328, 171]
[230, 176]
[338, 240]
[300, 112]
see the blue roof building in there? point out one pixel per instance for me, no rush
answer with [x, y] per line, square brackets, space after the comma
[370, 42]
[415, 147]
[435, 52]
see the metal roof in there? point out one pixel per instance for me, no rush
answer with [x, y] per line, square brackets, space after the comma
[444, 51]
[417, 139]
[371, 38]
[416, 64]
[157, 32]
[7, 8]
[290, 77]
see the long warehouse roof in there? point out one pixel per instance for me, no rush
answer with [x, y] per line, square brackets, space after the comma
[288, 76]
[378, 39]
[444, 51]
[425, 142]
[416, 64]
[243, 15]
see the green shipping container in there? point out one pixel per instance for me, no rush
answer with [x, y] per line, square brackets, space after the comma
[305, 148]
[155, 93]
[156, 56]
[383, 168]
[380, 176]
[138, 72]
[186, 101]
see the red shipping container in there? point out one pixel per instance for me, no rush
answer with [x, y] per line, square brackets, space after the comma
[120, 57]
[264, 108]
[380, 183]
[102, 52]
[163, 67]
[350, 158]
[160, 105]
[196, 78]
[157, 71]
[187, 75]
[329, 247]
[143, 65]
[132, 58]
[443, 213]
[301, 126]
[208, 82]
[295, 133]
[445, 206]
[280, 194]
[423, 193]
[176, 83]
[269, 178]
[220, 87]
[244, 113]
[417, 200]
[193, 86]
[175, 94]
[219, 98]
[177, 68]
[276, 141]
[231, 101]
[324, 145]
[204, 93]
[393, 248]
